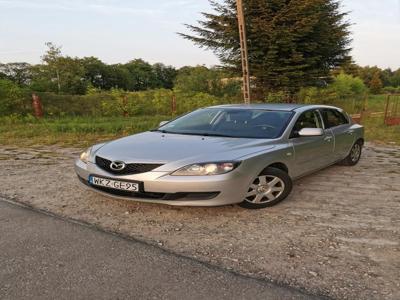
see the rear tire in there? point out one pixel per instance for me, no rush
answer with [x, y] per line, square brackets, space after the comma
[269, 188]
[354, 156]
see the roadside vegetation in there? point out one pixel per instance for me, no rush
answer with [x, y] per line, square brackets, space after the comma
[73, 130]
[85, 99]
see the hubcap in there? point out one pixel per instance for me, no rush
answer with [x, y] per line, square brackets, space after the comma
[265, 188]
[355, 153]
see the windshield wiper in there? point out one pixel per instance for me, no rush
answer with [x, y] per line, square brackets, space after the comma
[195, 133]
[159, 130]
[219, 135]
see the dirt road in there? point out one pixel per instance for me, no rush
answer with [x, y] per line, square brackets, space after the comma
[338, 234]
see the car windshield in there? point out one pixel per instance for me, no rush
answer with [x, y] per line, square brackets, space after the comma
[229, 122]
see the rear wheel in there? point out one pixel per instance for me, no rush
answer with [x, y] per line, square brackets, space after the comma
[354, 156]
[269, 188]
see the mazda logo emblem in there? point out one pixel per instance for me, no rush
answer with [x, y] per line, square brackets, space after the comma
[117, 165]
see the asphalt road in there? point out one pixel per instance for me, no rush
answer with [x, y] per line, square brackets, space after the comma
[44, 257]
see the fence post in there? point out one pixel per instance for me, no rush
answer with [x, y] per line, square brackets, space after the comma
[364, 112]
[173, 104]
[386, 109]
[37, 106]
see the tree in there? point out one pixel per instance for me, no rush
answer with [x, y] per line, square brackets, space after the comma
[52, 58]
[366, 73]
[61, 74]
[11, 97]
[395, 78]
[18, 72]
[95, 72]
[118, 77]
[164, 76]
[349, 68]
[291, 43]
[70, 78]
[212, 81]
[141, 75]
[375, 84]
[386, 75]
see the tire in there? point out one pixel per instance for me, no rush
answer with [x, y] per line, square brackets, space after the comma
[261, 192]
[354, 156]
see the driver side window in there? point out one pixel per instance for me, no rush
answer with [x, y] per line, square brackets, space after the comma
[308, 119]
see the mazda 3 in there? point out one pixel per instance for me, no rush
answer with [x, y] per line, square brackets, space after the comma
[230, 154]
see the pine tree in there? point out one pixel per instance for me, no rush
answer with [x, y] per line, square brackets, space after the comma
[292, 43]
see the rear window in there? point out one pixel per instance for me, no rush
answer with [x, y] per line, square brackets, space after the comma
[333, 118]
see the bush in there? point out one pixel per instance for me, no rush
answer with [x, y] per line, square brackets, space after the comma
[72, 105]
[11, 97]
[190, 101]
[345, 85]
[345, 91]
[152, 102]
[121, 103]
[391, 90]
[201, 79]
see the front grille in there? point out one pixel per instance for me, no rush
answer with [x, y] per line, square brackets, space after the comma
[130, 194]
[130, 169]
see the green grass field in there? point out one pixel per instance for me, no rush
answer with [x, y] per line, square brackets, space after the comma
[83, 131]
[78, 131]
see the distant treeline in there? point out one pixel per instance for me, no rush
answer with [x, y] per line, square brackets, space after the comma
[87, 86]
[76, 76]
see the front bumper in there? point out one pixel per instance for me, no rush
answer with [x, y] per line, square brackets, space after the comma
[160, 187]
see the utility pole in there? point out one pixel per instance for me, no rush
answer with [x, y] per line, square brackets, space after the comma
[244, 52]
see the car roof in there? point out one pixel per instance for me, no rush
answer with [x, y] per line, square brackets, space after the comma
[274, 106]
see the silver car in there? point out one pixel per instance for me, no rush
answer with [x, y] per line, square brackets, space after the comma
[245, 154]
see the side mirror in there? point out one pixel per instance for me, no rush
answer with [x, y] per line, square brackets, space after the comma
[311, 132]
[162, 123]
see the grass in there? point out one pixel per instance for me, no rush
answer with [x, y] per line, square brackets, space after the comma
[78, 131]
[83, 131]
[376, 131]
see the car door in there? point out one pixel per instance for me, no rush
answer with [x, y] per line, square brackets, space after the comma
[340, 126]
[314, 152]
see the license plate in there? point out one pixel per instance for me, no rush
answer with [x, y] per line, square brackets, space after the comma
[114, 184]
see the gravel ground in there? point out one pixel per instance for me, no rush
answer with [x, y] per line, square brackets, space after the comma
[338, 234]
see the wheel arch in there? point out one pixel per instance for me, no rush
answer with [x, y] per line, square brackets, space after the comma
[278, 165]
[361, 140]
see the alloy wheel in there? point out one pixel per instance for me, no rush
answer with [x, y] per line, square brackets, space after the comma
[264, 189]
[355, 153]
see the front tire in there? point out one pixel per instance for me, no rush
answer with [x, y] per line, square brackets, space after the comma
[269, 188]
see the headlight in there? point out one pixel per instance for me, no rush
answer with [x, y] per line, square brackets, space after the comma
[85, 155]
[205, 169]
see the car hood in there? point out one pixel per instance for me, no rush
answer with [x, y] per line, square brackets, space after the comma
[163, 148]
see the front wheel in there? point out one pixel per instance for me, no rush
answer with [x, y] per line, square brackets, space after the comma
[269, 188]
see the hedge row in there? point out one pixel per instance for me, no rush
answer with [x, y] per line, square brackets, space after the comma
[118, 103]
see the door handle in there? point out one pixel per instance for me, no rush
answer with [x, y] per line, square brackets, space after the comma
[350, 132]
[328, 138]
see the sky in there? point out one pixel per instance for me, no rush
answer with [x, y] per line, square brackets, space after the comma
[117, 31]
